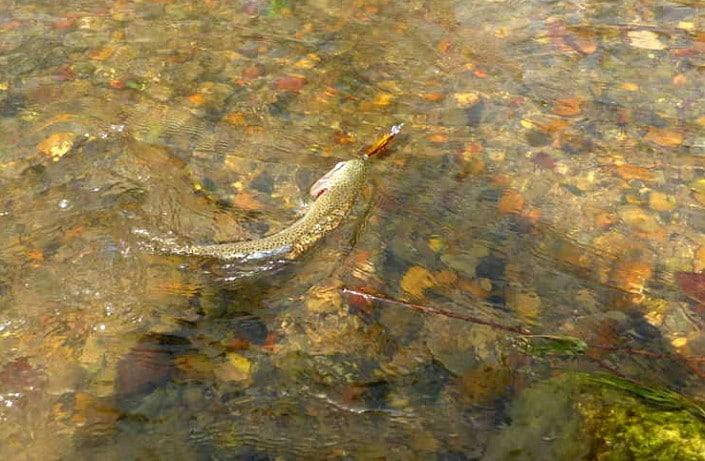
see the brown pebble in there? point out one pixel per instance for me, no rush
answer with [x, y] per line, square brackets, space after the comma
[583, 44]
[658, 201]
[483, 385]
[19, 375]
[89, 411]
[57, 144]
[64, 23]
[437, 138]
[290, 83]
[253, 72]
[605, 219]
[472, 167]
[148, 365]
[533, 215]
[699, 259]
[444, 46]
[432, 97]
[446, 277]
[692, 284]
[511, 202]
[416, 280]
[642, 222]
[343, 137]
[475, 287]
[568, 107]
[194, 366]
[629, 172]
[664, 137]
[544, 160]
[237, 344]
[631, 276]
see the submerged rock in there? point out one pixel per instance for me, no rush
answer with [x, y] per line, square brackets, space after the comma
[581, 417]
[149, 364]
[461, 347]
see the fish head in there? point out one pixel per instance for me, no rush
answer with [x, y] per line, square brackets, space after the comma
[341, 173]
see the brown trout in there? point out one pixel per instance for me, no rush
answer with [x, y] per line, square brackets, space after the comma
[334, 195]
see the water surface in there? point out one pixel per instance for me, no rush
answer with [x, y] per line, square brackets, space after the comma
[549, 180]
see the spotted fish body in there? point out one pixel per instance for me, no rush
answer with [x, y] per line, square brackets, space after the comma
[335, 194]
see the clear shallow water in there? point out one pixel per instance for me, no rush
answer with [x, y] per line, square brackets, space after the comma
[549, 178]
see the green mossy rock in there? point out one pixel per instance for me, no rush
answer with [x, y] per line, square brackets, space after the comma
[585, 417]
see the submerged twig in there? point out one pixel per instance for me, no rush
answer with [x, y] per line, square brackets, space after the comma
[438, 311]
[560, 344]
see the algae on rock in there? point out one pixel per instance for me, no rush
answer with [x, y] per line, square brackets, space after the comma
[578, 418]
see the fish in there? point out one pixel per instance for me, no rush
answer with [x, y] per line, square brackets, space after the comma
[334, 195]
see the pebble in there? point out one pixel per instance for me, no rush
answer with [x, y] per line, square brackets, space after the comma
[480, 288]
[292, 83]
[629, 86]
[641, 221]
[235, 368]
[645, 39]
[382, 99]
[568, 107]
[466, 99]
[473, 166]
[497, 155]
[692, 284]
[416, 280]
[437, 138]
[658, 201]
[253, 72]
[235, 118]
[583, 43]
[465, 261]
[544, 160]
[482, 385]
[436, 243]
[446, 277]
[194, 366]
[57, 145]
[91, 412]
[432, 97]
[525, 303]
[605, 219]
[698, 189]
[511, 202]
[148, 364]
[101, 54]
[699, 259]
[308, 62]
[629, 172]
[460, 346]
[324, 299]
[664, 137]
[424, 441]
[631, 275]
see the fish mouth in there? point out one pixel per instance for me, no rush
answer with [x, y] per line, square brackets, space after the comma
[324, 182]
[320, 187]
